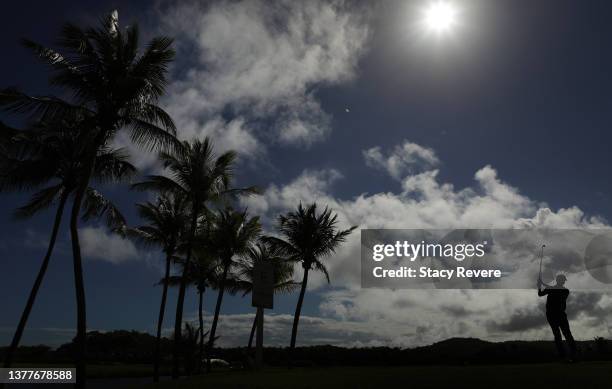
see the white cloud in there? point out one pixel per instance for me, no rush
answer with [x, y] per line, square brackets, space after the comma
[260, 61]
[232, 135]
[309, 185]
[246, 72]
[375, 317]
[226, 135]
[406, 158]
[234, 330]
[97, 243]
[417, 317]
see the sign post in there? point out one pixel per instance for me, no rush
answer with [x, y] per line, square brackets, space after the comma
[263, 297]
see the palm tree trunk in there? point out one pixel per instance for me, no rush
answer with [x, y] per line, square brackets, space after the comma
[39, 278]
[178, 322]
[296, 317]
[201, 317]
[81, 336]
[77, 264]
[213, 329]
[253, 328]
[160, 319]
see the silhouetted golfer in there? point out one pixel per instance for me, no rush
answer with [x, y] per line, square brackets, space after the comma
[555, 314]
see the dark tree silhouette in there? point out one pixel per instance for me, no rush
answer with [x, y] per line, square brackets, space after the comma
[196, 174]
[189, 348]
[307, 238]
[204, 273]
[113, 88]
[47, 158]
[231, 235]
[244, 268]
[166, 219]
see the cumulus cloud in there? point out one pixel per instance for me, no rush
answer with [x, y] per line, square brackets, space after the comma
[259, 63]
[405, 158]
[235, 329]
[311, 184]
[424, 316]
[97, 243]
[247, 72]
[424, 202]
[521, 320]
[227, 135]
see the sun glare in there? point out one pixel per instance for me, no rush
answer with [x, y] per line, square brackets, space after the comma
[440, 17]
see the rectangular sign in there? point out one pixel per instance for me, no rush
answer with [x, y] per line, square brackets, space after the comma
[486, 258]
[263, 285]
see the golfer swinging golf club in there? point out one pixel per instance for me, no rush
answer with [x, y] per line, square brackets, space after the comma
[556, 296]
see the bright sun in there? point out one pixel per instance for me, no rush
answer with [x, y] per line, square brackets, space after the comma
[440, 16]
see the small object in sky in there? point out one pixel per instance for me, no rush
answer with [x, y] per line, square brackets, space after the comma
[347, 110]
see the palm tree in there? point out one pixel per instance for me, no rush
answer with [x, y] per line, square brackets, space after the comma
[204, 273]
[307, 237]
[47, 158]
[283, 274]
[166, 220]
[196, 174]
[231, 235]
[113, 87]
[189, 348]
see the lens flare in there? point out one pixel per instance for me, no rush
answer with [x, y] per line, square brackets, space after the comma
[440, 17]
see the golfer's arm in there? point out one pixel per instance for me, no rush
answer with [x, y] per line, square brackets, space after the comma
[542, 292]
[545, 284]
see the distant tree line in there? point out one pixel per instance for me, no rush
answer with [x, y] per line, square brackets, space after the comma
[136, 347]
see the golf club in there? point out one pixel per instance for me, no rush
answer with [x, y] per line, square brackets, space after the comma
[541, 257]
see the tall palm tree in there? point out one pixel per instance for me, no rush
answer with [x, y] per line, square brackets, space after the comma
[244, 273]
[166, 220]
[307, 238]
[113, 87]
[47, 158]
[195, 173]
[204, 273]
[231, 235]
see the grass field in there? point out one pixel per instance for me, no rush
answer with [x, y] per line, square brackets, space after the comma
[590, 375]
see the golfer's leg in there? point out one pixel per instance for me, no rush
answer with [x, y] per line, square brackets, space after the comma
[567, 333]
[554, 326]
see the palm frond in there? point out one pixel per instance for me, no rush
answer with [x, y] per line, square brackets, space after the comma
[150, 136]
[284, 247]
[160, 184]
[39, 201]
[112, 165]
[95, 205]
[142, 236]
[45, 108]
[308, 236]
[20, 175]
[320, 267]
[287, 286]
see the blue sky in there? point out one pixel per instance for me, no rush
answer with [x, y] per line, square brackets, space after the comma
[306, 92]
